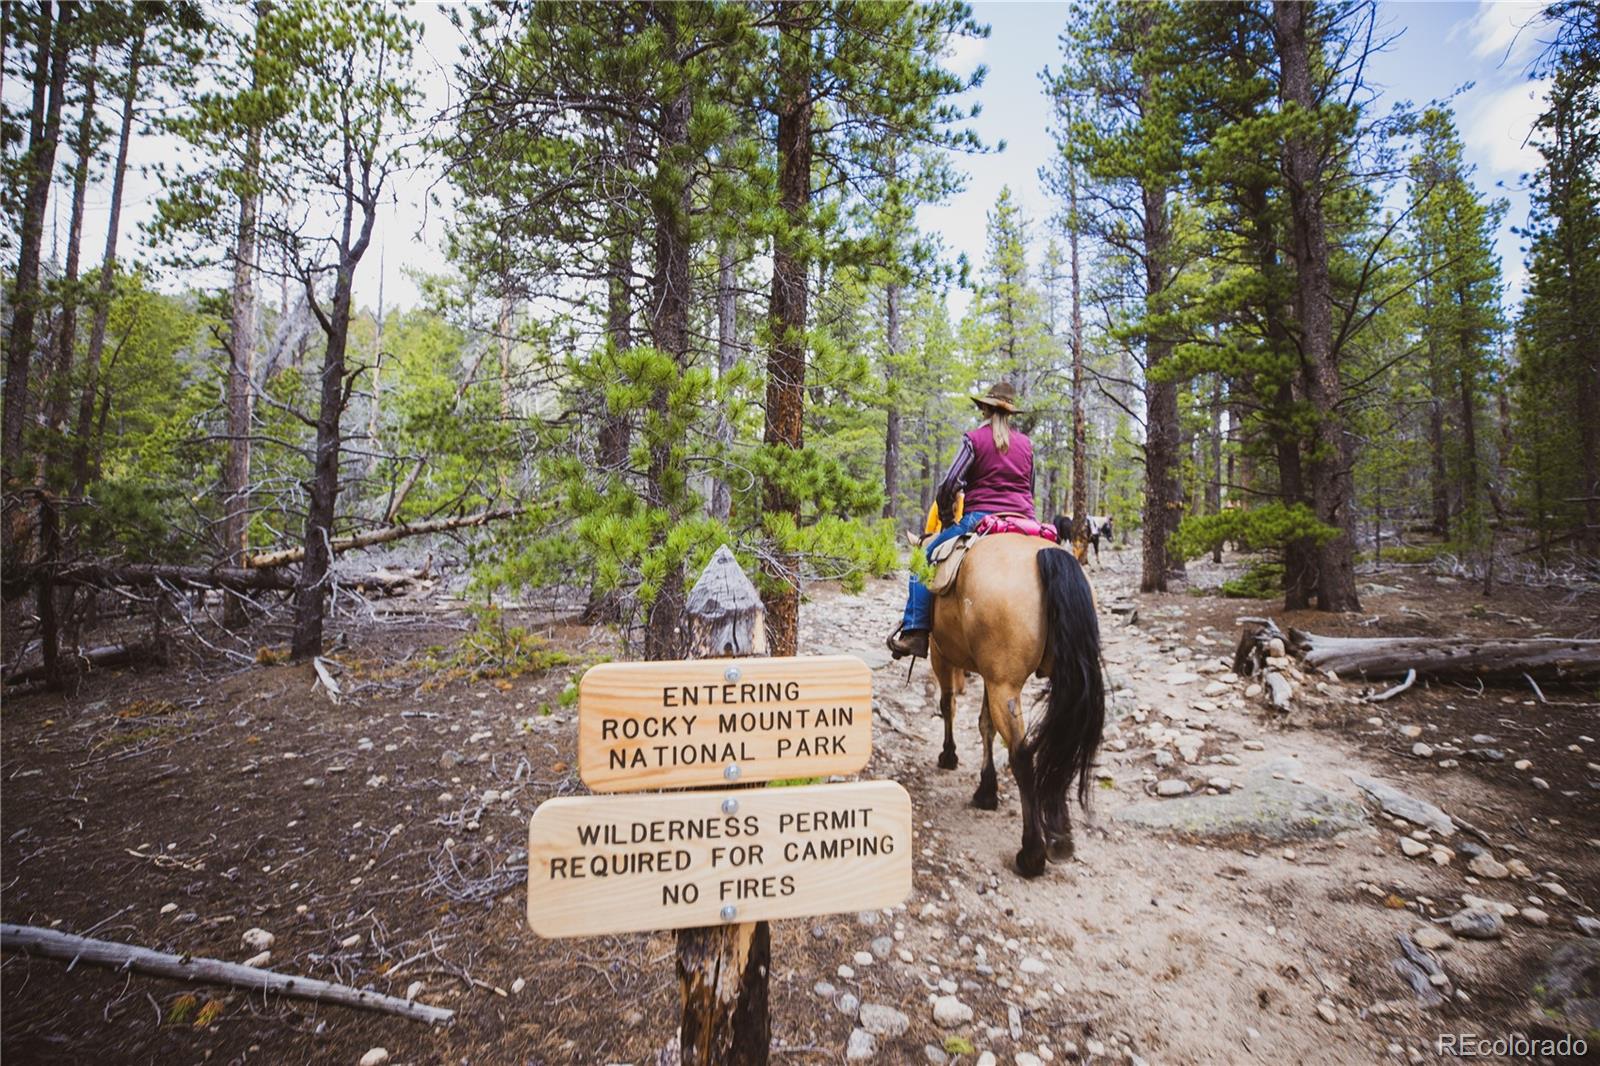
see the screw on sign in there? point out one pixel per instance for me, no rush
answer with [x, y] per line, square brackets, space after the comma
[717, 865]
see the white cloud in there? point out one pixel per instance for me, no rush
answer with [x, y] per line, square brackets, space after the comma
[1496, 127]
[1501, 30]
[963, 54]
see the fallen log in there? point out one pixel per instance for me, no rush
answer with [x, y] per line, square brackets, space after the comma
[285, 556]
[1392, 692]
[94, 659]
[229, 577]
[1545, 658]
[54, 944]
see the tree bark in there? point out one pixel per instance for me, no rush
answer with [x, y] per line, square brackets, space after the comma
[727, 359]
[52, 53]
[1163, 501]
[67, 331]
[669, 333]
[786, 361]
[1214, 488]
[615, 430]
[1080, 433]
[1333, 459]
[891, 435]
[81, 465]
[241, 359]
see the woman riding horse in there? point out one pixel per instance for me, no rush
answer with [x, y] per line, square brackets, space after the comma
[994, 467]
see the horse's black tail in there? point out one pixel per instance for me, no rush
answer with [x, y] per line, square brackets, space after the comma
[1065, 739]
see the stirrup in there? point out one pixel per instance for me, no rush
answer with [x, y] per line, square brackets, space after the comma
[914, 644]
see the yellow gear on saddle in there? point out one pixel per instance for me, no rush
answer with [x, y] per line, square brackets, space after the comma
[933, 525]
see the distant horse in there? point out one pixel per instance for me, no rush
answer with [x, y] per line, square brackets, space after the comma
[1022, 606]
[1083, 533]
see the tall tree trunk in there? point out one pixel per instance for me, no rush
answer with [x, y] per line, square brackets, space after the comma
[727, 359]
[44, 134]
[669, 333]
[891, 436]
[1080, 432]
[786, 362]
[1471, 506]
[1163, 502]
[1332, 463]
[615, 430]
[241, 360]
[108, 274]
[67, 332]
[1214, 488]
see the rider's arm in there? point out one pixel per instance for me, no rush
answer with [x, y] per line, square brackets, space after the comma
[955, 481]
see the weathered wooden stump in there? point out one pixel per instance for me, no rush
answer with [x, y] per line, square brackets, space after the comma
[723, 971]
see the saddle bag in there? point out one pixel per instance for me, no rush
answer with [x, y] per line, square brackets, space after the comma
[946, 560]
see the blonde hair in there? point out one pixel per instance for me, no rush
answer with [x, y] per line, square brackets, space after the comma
[1000, 424]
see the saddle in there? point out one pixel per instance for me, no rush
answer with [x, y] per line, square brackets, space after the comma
[947, 557]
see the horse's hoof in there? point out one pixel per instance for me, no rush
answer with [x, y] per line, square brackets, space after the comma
[948, 760]
[1030, 864]
[1061, 849]
[986, 799]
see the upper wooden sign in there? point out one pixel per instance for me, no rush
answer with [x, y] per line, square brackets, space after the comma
[716, 721]
[620, 864]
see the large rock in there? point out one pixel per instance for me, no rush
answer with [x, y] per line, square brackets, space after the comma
[1476, 923]
[949, 1012]
[862, 1047]
[1571, 983]
[1263, 806]
[881, 1020]
[1402, 805]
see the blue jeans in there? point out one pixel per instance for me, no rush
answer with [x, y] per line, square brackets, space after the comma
[919, 602]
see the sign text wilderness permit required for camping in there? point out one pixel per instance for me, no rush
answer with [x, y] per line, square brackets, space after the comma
[621, 864]
[659, 725]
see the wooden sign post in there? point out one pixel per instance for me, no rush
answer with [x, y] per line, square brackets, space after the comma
[717, 864]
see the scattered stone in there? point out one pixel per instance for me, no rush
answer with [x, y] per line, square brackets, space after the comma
[1523, 764]
[1326, 1011]
[1534, 916]
[863, 958]
[1485, 754]
[846, 972]
[1028, 1058]
[255, 962]
[376, 1057]
[935, 1055]
[350, 941]
[1221, 784]
[1033, 965]
[1251, 691]
[1488, 866]
[1441, 855]
[848, 1004]
[1215, 688]
[881, 1020]
[1520, 869]
[1401, 805]
[1413, 848]
[986, 1059]
[450, 760]
[517, 986]
[1538, 782]
[949, 1012]
[168, 908]
[824, 989]
[882, 946]
[863, 1046]
[1172, 787]
[1475, 923]
[414, 989]
[1587, 926]
[1504, 910]
[1421, 750]
[1411, 732]
[257, 939]
[1433, 938]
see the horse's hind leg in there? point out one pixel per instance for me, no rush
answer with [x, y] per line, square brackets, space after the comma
[987, 797]
[1003, 707]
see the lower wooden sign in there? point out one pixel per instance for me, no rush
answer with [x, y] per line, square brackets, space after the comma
[619, 864]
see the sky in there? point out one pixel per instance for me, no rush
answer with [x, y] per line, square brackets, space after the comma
[1441, 47]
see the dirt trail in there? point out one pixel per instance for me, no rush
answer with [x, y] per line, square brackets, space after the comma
[1156, 949]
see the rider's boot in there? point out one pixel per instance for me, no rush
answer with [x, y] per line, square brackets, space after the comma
[913, 642]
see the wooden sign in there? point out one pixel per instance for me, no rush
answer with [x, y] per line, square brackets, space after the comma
[712, 722]
[620, 864]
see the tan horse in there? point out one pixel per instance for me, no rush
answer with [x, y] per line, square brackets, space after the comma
[1022, 606]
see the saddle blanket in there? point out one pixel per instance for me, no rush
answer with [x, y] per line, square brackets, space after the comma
[947, 557]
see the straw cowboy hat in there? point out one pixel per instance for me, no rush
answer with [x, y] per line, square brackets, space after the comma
[1002, 396]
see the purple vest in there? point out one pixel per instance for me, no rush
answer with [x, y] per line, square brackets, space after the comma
[1000, 482]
